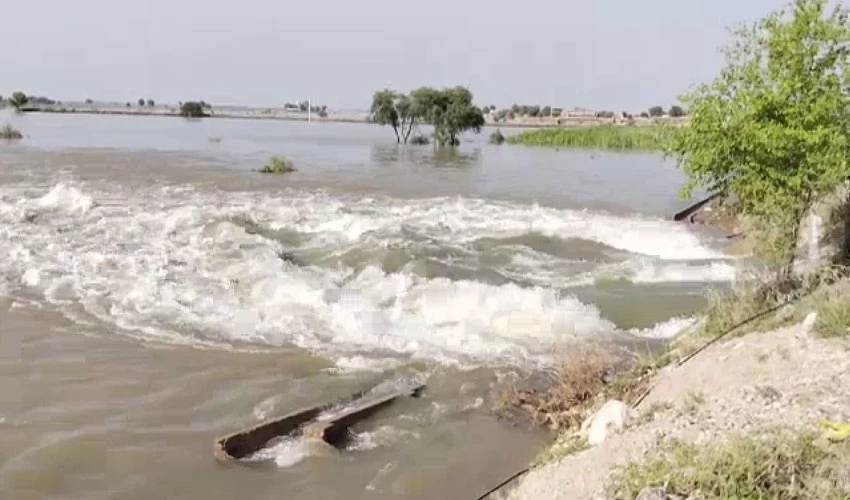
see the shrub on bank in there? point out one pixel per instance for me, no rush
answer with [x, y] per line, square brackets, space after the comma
[420, 140]
[278, 165]
[9, 132]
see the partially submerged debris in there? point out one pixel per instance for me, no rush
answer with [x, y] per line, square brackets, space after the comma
[328, 422]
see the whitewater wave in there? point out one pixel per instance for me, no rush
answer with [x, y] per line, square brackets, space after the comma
[202, 267]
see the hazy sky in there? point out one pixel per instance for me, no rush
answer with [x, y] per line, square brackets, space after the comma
[613, 54]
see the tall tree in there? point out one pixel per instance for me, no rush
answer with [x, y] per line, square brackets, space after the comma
[18, 100]
[384, 112]
[451, 112]
[773, 129]
[395, 109]
[676, 111]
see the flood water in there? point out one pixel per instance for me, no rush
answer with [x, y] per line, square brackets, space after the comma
[157, 293]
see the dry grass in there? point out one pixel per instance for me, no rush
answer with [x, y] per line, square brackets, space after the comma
[772, 466]
[833, 311]
[791, 298]
[587, 375]
[570, 389]
[566, 445]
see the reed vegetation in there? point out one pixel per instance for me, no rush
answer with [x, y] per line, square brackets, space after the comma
[600, 137]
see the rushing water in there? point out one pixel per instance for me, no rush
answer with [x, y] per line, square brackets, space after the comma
[156, 293]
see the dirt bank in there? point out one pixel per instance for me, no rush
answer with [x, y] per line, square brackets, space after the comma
[786, 378]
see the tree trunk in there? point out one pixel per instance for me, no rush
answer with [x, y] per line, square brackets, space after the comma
[397, 137]
[409, 129]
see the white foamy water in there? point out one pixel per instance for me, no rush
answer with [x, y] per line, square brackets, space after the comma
[184, 265]
[286, 452]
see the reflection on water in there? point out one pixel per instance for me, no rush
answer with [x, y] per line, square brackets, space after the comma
[428, 155]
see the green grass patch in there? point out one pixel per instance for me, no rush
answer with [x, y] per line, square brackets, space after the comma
[278, 165]
[770, 466]
[833, 311]
[601, 137]
[9, 132]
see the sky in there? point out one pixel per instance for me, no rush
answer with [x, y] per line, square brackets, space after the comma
[602, 54]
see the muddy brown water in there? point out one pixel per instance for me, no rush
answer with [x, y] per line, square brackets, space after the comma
[155, 294]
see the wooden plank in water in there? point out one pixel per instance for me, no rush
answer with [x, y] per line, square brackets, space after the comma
[331, 428]
[693, 208]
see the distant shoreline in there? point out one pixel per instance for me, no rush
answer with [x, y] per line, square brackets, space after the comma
[333, 116]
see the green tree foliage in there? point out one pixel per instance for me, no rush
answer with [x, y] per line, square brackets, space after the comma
[18, 100]
[151, 103]
[656, 111]
[547, 111]
[450, 111]
[192, 109]
[141, 102]
[677, 111]
[772, 131]
[384, 110]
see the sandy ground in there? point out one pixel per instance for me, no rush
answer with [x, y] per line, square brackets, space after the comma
[785, 378]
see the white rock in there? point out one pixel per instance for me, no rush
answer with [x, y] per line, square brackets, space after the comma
[809, 322]
[611, 417]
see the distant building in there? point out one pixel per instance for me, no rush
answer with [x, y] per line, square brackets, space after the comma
[579, 113]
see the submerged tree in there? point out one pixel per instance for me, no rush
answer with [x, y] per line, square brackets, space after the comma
[395, 109]
[451, 112]
[773, 130]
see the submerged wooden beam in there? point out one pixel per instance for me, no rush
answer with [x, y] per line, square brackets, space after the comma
[317, 421]
[693, 208]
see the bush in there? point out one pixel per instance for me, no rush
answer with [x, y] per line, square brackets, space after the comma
[497, 137]
[9, 132]
[278, 165]
[191, 109]
[771, 466]
[420, 140]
